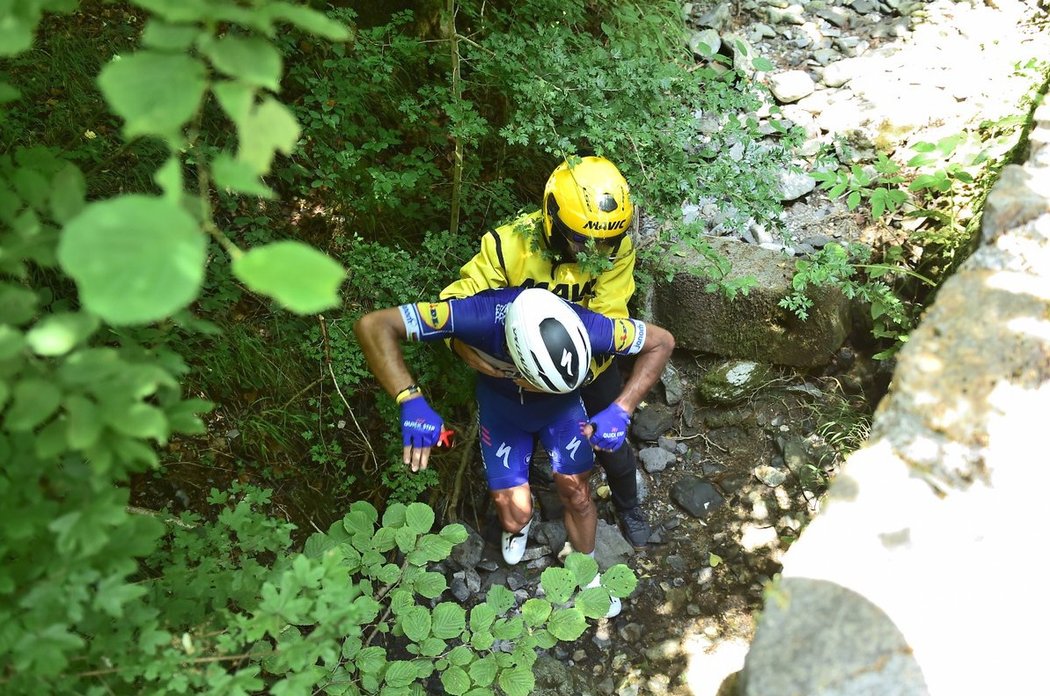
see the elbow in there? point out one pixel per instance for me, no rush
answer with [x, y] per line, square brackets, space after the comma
[364, 326]
[664, 340]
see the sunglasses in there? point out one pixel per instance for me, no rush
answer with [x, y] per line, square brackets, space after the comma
[580, 240]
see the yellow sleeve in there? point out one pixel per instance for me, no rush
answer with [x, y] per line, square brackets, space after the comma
[483, 272]
[614, 287]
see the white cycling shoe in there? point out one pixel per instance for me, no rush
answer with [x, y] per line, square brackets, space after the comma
[615, 605]
[514, 545]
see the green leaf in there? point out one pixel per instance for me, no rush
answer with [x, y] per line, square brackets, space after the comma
[460, 655]
[68, 192]
[177, 10]
[455, 681]
[853, 200]
[17, 304]
[432, 647]
[430, 585]
[371, 659]
[238, 176]
[16, 31]
[361, 518]
[500, 599]
[249, 59]
[583, 567]
[517, 682]
[416, 623]
[32, 186]
[135, 259]
[8, 92]
[400, 673]
[482, 640]
[318, 544]
[482, 616]
[11, 342]
[454, 533]
[155, 93]
[433, 548]
[395, 515]
[508, 629]
[619, 580]
[762, 64]
[33, 401]
[113, 593]
[448, 620]
[169, 37]
[483, 672]
[51, 440]
[419, 517]
[308, 20]
[236, 100]
[57, 334]
[169, 178]
[567, 624]
[268, 128]
[558, 584]
[536, 610]
[593, 602]
[406, 539]
[298, 276]
[139, 420]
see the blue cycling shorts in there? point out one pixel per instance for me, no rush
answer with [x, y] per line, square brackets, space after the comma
[507, 431]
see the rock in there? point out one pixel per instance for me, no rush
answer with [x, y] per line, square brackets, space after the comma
[655, 459]
[467, 553]
[696, 496]
[793, 185]
[732, 381]
[705, 43]
[791, 86]
[610, 547]
[672, 383]
[754, 327]
[651, 422]
[770, 476]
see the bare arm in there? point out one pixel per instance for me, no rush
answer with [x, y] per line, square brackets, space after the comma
[380, 334]
[648, 367]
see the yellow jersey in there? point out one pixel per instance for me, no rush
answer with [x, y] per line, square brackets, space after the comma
[510, 257]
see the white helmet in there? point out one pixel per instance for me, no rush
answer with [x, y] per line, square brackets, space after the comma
[547, 341]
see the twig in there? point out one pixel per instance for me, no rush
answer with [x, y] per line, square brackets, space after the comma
[328, 363]
[167, 519]
[464, 460]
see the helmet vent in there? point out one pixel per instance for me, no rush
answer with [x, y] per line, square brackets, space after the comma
[606, 203]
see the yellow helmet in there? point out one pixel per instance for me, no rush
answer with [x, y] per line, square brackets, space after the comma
[587, 201]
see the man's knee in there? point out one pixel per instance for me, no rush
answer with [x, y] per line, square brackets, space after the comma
[574, 490]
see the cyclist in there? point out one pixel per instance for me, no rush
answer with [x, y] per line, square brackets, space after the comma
[586, 210]
[538, 348]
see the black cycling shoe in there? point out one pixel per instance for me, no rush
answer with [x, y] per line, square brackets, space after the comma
[634, 525]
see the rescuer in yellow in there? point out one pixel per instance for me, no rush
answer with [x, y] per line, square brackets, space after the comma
[586, 214]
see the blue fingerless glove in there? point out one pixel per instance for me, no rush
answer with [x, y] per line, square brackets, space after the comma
[420, 424]
[610, 427]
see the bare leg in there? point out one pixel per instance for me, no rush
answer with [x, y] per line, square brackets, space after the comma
[514, 506]
[581, 517]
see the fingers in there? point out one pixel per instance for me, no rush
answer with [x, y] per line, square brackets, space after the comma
[415, 457]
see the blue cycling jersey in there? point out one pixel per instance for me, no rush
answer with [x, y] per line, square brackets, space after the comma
[478, 321]
[510, 420]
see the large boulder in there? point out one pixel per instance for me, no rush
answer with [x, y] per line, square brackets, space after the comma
[752, 326]
[922, 574]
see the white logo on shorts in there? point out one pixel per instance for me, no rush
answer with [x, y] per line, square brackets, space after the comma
[504, 452]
